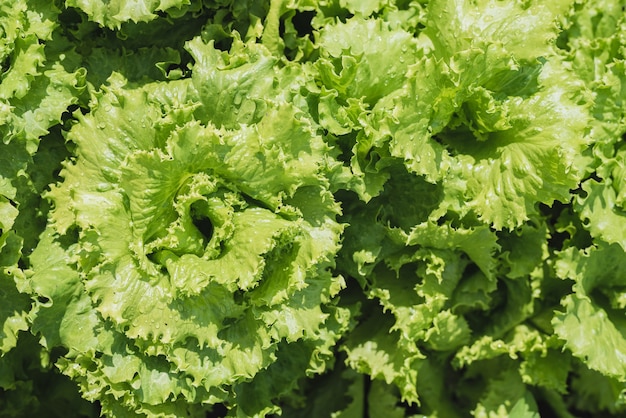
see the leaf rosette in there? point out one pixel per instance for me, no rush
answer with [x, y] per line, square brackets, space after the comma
[464, 104]
[200, 255]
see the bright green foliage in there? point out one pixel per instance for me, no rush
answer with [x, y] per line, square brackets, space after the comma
[192, 248]
[329, 208]
[113, 13]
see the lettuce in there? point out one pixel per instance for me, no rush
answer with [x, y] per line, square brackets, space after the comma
[179, 239]
[312, 208]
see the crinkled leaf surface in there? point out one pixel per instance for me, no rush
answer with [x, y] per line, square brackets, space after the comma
[113, 13]
[202, 248]
[312, 208]
[590, 328]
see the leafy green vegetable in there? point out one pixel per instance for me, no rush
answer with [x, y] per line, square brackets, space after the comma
[328, 208]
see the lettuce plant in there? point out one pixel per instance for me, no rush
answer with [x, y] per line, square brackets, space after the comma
[330, 208]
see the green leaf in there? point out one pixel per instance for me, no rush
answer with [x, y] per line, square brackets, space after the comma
[484, 122]
[606, 348]
[8, 213]
[506, 396]
[595, 272]
[62, 314]
[238, 87]
[527, 30]
[113, 14]
[363, 8]
[478, 243]
[14, 304]
[374, 350]
[597, 393]
[383, 400]
[523, 249]
[600, 213]
[355, 59]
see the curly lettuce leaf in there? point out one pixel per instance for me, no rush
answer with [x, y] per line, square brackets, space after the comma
[114, 14]
[601, 212]
[416, 278]
[239, 86]
[507, 397]
[384, 354]
[592, 330]
[25, 27]
[524, 30]
[15, 304]
[353, 58]
[597, 393]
